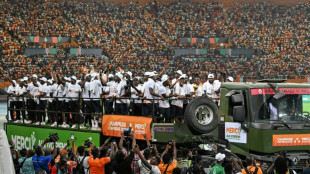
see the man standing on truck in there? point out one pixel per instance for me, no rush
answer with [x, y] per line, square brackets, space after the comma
[212, 88]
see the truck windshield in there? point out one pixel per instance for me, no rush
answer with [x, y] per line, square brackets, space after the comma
[294, 107]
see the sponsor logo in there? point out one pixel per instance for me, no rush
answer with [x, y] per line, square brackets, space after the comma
[291, 140]
[164, 129]
[21, 142]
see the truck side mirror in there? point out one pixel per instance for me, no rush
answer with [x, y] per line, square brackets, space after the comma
[239, 114]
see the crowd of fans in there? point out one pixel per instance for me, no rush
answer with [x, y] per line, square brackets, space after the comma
[120, 158]
[143, 37]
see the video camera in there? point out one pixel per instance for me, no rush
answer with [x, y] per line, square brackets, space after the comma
[87, 143]
[127, 131]
[53, 137]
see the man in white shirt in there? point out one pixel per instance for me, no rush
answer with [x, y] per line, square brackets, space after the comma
[120, 104]
[95, 92]
[12, 91]
[21, 91]
[33, 93]
[74, 95]
[149, 93]
[198, 87]
[51, 102]
[177, 104]
[86, 103]
[44, 92]
[212, 88]
[164, 106]
[61, 104]
[136, 104]
[111, 90]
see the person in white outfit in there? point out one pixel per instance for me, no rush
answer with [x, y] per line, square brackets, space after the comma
[212, 88]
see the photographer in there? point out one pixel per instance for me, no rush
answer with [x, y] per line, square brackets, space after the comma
[82, 160]
[168, 163]
[43, 162]
[122, 163]
[147, 165]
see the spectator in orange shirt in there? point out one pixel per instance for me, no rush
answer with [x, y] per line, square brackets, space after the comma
[251, 166]
[168, 164]
[98, 160]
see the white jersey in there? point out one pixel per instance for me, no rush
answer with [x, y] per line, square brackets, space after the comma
[211, 88]
[34, 91]
[146, 170]
[44, 89]
[121, 91]
[149, 84]
[19, 91]
[60, 92]
[95, 90]
[180, 91]
[73, 91]
[166, 91]
[12, 91]
[112, 88]
[135, 94]
[85, 91]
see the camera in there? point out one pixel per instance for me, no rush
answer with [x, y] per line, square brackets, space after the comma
[113, 141]
[53, 137]
[151, 146]
[87, 143]
[170, 142]
[73, 137]
[127, 131]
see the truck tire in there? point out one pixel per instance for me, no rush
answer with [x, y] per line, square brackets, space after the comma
[201, 115]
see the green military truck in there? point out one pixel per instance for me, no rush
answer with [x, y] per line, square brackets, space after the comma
[261, 119]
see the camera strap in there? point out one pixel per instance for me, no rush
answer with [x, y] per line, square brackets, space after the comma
[39, 163]
[167, 167]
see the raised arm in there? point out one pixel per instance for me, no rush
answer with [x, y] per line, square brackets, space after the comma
[174, 150]
[137, 151]
[147, 140]
[121, 141]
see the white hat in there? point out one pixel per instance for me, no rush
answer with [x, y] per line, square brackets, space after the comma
[50, 81]
[78, 81]
[87, 75]
[14, 81]
[210, 76]
[147, 73]
[25, 78]
[111, 75]
[43, 79]
[73, 78]
[230, 79]
[164, 78]
[21, 80]
[152, 74]
[94, 75]
[183, 76]
[34, 76]
[220, 156]
[119, 75]
[137, 77]
[179, 72]
[129, 73]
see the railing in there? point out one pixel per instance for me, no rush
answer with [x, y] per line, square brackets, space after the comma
[59, 112]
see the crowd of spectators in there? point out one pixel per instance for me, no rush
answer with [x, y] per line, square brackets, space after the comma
[143, 158]
[143, 37]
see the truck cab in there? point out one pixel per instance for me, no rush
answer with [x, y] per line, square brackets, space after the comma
[265, 119]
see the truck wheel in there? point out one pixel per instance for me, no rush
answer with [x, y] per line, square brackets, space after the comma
[201, 115]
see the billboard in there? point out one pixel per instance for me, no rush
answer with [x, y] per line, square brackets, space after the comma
[27, 137]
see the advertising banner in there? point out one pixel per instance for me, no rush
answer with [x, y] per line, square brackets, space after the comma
[234, 133]
[113, 125]
[291, 140]
[269, 91]
[27, 137]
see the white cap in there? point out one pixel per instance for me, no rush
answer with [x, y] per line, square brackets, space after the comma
[129, 73]
[152, 74]
[179, 72]
[119, 75]
[147, 73]
[164, 78]
[230, 79]
[14, 82]
[25, 78]
[78, 81]
[50, 81]
[73, 78]
[137, 77]
[21, 80]
[210, 76]
[43, 79]
[220, 156]
[183, 76]
[87, 75]
[111, 75]
[34, 76]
